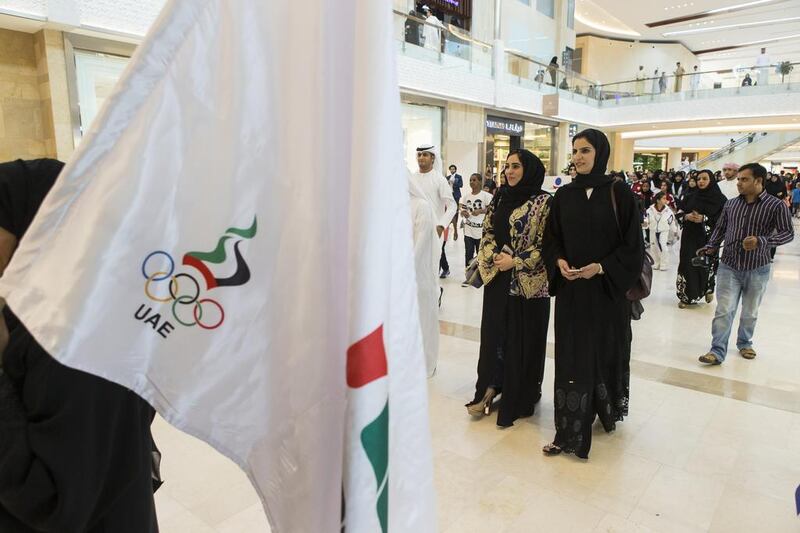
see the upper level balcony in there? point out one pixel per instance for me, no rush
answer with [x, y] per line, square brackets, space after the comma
[455, 66]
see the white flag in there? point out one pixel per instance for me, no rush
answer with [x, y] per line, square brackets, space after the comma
[228, 243]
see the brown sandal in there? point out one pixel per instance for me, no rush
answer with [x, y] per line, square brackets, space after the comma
[747, 353]
[709, 359]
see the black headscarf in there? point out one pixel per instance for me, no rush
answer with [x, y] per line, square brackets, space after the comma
[775, 188]
[708, 201]
[602, 149]
[509, 198]
[23, 186]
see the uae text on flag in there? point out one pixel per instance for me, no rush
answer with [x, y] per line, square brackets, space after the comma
[228, 242]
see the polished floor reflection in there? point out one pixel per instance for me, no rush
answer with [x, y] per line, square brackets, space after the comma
[704, 448]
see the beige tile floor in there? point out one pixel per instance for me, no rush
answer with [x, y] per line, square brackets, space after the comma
[684, 461]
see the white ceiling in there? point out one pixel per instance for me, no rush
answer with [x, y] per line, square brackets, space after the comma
[765, 21]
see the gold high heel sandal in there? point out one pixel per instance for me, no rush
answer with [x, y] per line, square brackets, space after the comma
[483, 407]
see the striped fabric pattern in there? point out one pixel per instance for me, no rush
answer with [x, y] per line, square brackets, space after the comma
[767, 218]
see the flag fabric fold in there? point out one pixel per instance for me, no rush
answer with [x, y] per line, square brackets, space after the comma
[223, 244]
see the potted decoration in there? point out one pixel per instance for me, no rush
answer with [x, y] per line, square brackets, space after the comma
[784, 69]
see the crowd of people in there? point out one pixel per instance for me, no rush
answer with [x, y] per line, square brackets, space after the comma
[586, 246]
[65, 434]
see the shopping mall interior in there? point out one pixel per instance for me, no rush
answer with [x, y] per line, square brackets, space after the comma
[676, 87]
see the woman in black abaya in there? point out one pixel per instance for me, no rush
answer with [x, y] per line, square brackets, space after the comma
[701, 210]
[76, 452]
[594, 252]
[516, 302]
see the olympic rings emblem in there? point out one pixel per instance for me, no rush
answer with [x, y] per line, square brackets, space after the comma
[174, 294]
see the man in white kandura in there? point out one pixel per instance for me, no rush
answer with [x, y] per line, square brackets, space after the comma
[762, 62]
[432, 32]
[728, 184]
[695, 81]
[430, 220]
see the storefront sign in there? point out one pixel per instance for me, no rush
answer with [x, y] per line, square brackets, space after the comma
[461, 8]
[504, 126]
[550, 105]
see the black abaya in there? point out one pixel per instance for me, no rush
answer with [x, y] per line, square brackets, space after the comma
[692, 282]
[516, 305]
[514, 369]
[75, 450]
[592, 317]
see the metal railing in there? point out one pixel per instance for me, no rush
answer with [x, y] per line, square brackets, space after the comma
[529, 72]
[448, 45]
[728, 149]
[454, 48]
[700, 84]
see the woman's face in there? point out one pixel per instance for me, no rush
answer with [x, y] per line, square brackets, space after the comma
[692, 183]
[703, 181]
[663, 186]
[646, 186]
[572, 172]
[583, 155]
[514, 170]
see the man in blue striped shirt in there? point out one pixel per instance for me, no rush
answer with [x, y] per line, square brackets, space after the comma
[750, 225]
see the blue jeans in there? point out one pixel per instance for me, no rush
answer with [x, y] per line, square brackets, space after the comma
[733, 285]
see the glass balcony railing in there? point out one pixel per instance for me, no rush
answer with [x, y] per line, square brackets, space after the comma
[450, 46]
[528, 72]
[454, 48]
[734, 146]
[754, 80]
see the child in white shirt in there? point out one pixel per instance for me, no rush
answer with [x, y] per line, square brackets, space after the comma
[661, 222]
[473, 211]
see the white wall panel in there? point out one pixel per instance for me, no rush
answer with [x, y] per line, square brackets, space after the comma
[37, 8]
[763, 105]
[446, 82]
[126, 16]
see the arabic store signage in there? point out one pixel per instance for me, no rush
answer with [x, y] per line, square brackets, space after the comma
[505, 126]
[462, 8]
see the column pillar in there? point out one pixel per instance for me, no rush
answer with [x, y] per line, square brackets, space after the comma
[674, 158]
[52, 69]
[621, 153]
[563, 147]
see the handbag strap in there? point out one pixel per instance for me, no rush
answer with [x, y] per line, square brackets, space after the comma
[614, 206]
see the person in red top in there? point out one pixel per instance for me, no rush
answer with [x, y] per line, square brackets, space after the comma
[636, 186]
[670, 198]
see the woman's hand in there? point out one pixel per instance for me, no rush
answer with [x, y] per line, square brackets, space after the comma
[503, 261]
[694, 217]
[565, 270]
[590, 271]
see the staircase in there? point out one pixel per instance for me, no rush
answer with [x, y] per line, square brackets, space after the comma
[751, 148]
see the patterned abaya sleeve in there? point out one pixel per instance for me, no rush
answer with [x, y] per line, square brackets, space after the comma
[528, 263]
[624, 265]
[487, 248]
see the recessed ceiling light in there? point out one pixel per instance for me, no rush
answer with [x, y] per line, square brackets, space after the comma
[739, 6]
[729, 26]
